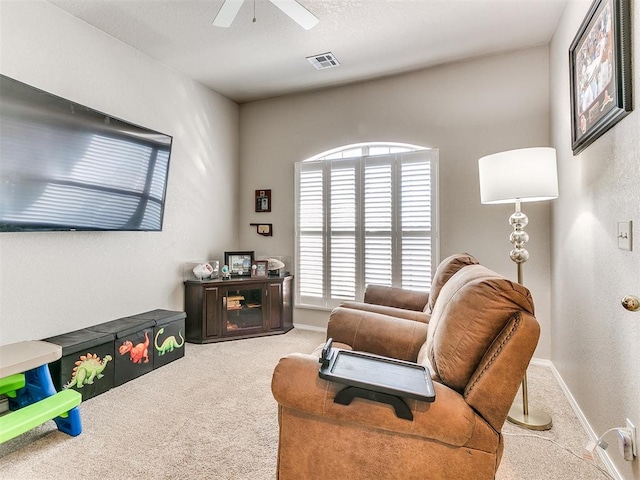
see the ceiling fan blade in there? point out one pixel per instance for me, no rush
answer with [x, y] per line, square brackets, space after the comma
[297, 12]
[227, 13]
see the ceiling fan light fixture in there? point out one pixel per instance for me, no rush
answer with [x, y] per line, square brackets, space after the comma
[324, 60]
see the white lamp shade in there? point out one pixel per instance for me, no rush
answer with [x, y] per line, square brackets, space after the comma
[527, 174]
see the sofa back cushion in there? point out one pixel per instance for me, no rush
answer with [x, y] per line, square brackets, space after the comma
[473, 308]
[395, 297]
[447, 268]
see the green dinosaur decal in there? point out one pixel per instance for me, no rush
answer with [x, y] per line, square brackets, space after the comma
[169, 344]
[87, 369]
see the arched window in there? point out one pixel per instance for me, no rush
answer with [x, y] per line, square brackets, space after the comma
[365, 214]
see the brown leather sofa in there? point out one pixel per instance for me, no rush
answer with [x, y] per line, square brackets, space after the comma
[480, 339]
[411, 304]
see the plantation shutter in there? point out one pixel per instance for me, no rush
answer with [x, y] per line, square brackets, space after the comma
[310, 240]
[364, 220]
[415, 219]
[378, 221]
[342, 229]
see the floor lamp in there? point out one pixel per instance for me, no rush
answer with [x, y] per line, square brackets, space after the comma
[516, 176]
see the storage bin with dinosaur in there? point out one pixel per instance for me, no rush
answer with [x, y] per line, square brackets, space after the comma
[168, 335]
[133, 351]
[86, 364]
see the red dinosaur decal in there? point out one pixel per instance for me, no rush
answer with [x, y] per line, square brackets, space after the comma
[138, 352]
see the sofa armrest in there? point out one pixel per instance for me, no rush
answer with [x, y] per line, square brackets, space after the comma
[494, 385]
[376, 333]
[296, 385]
[396, 297]
[417, 316]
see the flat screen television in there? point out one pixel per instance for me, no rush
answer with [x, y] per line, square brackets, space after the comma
[67, 167]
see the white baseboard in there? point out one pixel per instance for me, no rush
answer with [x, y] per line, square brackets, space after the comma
[542, 362]
[606, 460]
[313, 328]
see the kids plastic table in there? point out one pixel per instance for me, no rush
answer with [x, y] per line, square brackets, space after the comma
[33, 400]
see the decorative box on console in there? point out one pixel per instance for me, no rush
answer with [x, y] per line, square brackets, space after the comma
[133, 350]
[168, 335]
[86, 364]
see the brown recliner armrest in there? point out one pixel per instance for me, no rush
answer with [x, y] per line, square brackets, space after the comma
[417, 316]
[496, 380]
[297, 386]
[376, 333]
[396, 297]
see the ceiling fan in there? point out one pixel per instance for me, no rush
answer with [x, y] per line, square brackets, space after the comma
[292, 8]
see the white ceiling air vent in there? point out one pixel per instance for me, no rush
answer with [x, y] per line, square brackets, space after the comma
[323, 60]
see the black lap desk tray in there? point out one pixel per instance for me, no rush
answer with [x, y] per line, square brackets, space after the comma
[377, 378]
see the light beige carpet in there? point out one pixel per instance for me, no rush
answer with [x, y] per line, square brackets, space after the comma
[210, 415]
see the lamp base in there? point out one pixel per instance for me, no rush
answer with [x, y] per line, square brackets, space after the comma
[535, 420]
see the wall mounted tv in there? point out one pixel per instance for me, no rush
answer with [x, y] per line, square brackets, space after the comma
[64, 166]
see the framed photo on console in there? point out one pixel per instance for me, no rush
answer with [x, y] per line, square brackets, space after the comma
[239, 263]
[600, 62]
[260, 269]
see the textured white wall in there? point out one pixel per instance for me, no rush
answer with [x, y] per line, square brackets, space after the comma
[52, 283]
[466, 110]
[595, 342]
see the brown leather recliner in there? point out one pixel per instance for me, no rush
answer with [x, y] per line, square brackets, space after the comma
[480, 340]
[411, 304]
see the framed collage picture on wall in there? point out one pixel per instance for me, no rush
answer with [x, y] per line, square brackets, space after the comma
[600, 64]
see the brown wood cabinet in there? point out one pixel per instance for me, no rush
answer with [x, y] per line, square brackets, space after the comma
[242, 307]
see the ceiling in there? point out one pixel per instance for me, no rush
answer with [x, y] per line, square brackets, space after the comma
[370, 38]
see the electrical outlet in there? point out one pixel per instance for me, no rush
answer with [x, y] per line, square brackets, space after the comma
[625, 445]
[634, 439]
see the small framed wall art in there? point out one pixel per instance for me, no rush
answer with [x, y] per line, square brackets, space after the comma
[264, 229]
[600, 62]
[239, 263]
[260, 269]
[263, 200]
